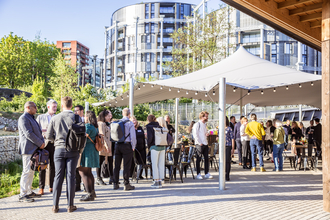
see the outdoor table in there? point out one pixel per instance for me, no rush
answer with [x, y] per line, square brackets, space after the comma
[303, 156]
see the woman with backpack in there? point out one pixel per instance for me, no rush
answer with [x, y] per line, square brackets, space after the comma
[103, 121]
[89, 157]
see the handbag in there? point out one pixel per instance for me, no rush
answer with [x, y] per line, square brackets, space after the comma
[105, 172]
[161, 136]
[99, 142]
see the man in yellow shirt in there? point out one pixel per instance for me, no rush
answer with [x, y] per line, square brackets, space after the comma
[255, 130]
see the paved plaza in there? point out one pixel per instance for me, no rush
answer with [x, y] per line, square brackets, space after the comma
[249, 195]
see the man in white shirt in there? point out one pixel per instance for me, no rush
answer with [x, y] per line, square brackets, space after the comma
[200, 134]
[43, 121]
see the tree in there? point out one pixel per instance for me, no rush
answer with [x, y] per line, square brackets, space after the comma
[205, 41]
[63, 82]
[39, 91]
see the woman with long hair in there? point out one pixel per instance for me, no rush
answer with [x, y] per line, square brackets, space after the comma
[89, 157]
[103, 121]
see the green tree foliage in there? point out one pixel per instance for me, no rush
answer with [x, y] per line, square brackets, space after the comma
[205, 41]
[39, 91]
[21, 61]
[63, 81]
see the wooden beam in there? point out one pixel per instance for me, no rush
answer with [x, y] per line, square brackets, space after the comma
[279, 19]
[311, 17]
[290, 3]
[316, 24]
[326, 104]
[309, 8]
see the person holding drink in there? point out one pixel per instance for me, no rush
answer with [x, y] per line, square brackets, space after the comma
[43, 121]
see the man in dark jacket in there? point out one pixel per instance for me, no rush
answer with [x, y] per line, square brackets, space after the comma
[317, 136]
[287, 129]
[237, 138]
[30, 138]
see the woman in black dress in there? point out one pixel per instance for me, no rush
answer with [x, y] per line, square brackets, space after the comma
[140, 155]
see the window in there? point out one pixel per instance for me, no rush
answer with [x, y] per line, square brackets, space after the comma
[129, 58]
[147, 28]
[66, 45]
[166, 40]
[152, 15]
[143, 38]
[304, 59]
[148, 57]
[143, 57]
[67, 56]
[147, 15]
[304, 49]
[169, 30]
[152, 28]
[249, 38]
[152, 57]
[66, 51]
[146, 76]
[166, 10]
[119, 78]
[274, 49]
[288, 48]
[147, 8]
[152, 8]
[148, 39]
[274, 58]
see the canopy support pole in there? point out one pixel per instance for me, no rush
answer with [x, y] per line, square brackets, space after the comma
[300, 113]
[222, 145]
[176, 121]
[326, 104]
[241, 102]
[131, 95]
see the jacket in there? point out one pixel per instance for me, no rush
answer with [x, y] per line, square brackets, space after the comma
[59, 127]
[105, 131]
[279, 134]
[317, 134]
[298, 134]
[30, 135]
[237, 133]
[151, 133]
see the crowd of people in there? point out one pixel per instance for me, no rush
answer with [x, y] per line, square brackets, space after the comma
[50, 131]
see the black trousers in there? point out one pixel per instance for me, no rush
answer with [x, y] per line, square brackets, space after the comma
[239, 149]
[246, 152]
[124, 152]
[228, 160]
[202, 150]
[42, 174]
[78, 179]
[102, 160]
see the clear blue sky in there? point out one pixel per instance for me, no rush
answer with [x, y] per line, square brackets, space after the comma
[66, 19]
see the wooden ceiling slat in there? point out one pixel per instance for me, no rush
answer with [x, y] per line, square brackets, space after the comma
[306, 9]
[316, 24]
[311, 17]
[291, 3]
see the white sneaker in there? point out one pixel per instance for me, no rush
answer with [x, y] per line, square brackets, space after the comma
[199, 177]
[208, 176]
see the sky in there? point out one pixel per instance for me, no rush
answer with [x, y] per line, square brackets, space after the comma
[57, 20]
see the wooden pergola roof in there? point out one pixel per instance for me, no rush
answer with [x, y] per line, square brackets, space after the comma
[299, 19]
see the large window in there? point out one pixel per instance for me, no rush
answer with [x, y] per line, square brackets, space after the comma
[147, 28]
[143, 57]
[304, 59]
[147, 8]
[274, 58]
[273, 48]
[147, 15]
[249, 38]
[166, 10]
[169, 30]
[254, 50]
[152, 28]
[166, 40]
[66, 45]
[148, 39]
[152, 8]
[148, 57]
[288, 48]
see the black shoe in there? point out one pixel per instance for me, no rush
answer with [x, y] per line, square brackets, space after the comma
[34, 195]
[93, 193]
[25, 199]
[141, 178]
[110, 181]
[227, 179]
[115, 186]
[100, 181]
[87, 197]
[129, 187]
[245, 167]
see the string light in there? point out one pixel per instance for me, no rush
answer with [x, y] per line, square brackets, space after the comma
[144, 85]
[312, 84]
[116, 101]
[262, 92]
[249, 92]
[213, 92]
[127, 95]
[170, 89]
[152, 86]
[300, 85]
[139, 88]
[161, 87]
[287, 87]
[110, 104]
[196, 93]
[122, 98]
[187, 92]
[234, 90]
[205, 94]
[178, 90]
[274, 90]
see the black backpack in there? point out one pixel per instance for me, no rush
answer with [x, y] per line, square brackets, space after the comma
[76, 137]
[39, 159]
[118, 131]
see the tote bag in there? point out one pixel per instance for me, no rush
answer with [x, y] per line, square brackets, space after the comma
[161, 136]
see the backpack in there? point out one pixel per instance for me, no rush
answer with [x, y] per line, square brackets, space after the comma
[170, 139]
[118, 131]
[99, 142]
[76, 137]
[161, 136]
[39, 159]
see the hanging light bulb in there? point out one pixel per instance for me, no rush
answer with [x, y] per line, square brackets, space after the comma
[300, 85]
[196, 93]
[161, 87]
[274, 90]
[287, 87]
[122, 98]
[152, 86]
[213, 92]
[178, 90]
[234, 90]
[249, 92]
[115, 101]
[262, 92]
[139, 88]
[144, 85]
[187, 92]
[170, 89]
[205, 94]
[110, 104]
[312, 83]
[127, 95]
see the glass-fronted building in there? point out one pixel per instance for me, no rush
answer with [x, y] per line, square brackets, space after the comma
[152, 42]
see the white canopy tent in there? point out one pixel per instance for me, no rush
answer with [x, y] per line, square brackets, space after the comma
[244, 72]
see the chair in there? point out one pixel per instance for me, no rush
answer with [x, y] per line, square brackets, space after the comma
[291, 156]
[175, 165]
[212, 155]
[186, 164]
[140, 167]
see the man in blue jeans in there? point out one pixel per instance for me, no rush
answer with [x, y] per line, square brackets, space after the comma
[255, 130]
[278, 147]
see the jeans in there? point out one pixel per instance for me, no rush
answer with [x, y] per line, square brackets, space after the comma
[239, 149]
[65, 163]
[278, 157]
[254, 145]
